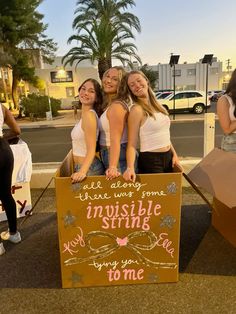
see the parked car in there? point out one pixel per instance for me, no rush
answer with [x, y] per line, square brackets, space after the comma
[214, 95]
[192, 101]
[163, 95]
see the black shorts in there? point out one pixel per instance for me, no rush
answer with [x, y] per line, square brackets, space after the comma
[155, 162]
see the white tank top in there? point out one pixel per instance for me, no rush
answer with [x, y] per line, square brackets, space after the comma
[78, 138]
[104, 129]
[231, 109]
[155, 133]
[1, 120]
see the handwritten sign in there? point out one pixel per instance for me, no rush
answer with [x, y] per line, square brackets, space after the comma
[22, 197]
[115, 232]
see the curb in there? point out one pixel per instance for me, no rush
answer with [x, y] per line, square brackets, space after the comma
[30, 126]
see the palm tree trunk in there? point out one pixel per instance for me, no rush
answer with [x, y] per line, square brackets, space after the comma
[103, 66]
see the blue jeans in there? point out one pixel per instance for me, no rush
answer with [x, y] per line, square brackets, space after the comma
[228, 143]
[95, 169]
[104, 153]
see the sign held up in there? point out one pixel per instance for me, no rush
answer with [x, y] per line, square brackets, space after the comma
[117, 232]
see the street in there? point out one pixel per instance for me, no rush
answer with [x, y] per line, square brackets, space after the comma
[53, 144]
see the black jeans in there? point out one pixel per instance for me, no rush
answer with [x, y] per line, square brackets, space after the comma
[6, 168]
[155, 162]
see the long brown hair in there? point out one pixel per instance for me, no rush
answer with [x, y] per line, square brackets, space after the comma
[97, 106]
[231, 89]
[107, 99]
[125, 93]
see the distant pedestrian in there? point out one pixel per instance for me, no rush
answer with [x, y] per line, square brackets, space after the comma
[85, 133]
[226, 111]
[148, 126]
[6, 169]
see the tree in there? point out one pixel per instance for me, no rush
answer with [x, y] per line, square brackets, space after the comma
[104, 30]
[150, 74]
[21, 33]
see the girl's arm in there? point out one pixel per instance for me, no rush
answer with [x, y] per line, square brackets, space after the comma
[175, 158]
[117, 117]
[11, 122]
[226, 124]
[89, 126]
[134, 122]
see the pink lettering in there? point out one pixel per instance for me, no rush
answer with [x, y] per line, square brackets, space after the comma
[128, 274]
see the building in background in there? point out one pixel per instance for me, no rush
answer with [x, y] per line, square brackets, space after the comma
[189, 76]
[63, 82]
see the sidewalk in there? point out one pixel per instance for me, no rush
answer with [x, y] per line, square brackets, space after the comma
[67, 118]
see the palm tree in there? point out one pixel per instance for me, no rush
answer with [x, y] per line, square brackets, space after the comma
[104, 29]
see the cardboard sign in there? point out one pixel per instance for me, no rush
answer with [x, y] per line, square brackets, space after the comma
[216, 173]
[117, 232]
[22, 197]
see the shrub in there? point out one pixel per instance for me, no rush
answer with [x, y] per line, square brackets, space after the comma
[38, 105]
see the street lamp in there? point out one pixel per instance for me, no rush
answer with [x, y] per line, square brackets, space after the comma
[174, 59]
[207, 59]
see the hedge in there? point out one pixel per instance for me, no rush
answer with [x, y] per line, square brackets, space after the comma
[38, 105]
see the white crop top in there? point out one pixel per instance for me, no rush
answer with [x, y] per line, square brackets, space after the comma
[155, 133]
[231, 109]
[1, 120]
[104, 129]
[78, 138]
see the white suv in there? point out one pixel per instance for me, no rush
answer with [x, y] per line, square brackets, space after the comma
[191, 100]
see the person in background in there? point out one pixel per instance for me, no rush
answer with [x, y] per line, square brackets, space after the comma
[149, 125]
[6, 169]
[226, 111]
[113, 124]
[85, 133]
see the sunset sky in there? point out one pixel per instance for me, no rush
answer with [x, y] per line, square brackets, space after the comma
[189, 28]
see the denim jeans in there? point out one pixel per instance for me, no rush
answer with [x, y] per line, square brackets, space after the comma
[95, 169]
[228, 143]
[104, 153]
[155, 162]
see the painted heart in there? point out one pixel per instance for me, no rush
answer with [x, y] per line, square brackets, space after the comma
[122, 242]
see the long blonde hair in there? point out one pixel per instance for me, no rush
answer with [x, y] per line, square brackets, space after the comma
[124, 93]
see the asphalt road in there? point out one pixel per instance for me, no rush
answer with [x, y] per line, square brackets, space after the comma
[53, 144]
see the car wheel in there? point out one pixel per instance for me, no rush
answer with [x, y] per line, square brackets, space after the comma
[198, 108]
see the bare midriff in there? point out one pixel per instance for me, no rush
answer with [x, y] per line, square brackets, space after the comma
[161, 150]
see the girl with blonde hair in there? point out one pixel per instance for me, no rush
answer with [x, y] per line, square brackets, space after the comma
[148, 125]
[113, 124]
